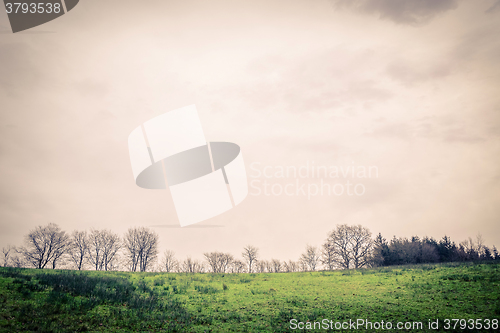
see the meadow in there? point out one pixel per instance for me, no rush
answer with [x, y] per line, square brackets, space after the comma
[71, 301]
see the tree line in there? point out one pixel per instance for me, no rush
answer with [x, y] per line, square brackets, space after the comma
[49, 246]
[346, 247]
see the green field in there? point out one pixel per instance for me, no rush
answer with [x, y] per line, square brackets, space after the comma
[68, 301]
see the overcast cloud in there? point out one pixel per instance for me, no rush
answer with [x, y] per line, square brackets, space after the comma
[410, 87]
[412, 12]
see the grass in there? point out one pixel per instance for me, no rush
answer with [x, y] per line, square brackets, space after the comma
[68, 301]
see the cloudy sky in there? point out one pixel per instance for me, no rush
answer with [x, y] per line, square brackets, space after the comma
[411, 87]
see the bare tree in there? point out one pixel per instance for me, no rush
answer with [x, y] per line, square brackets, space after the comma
[6, 252]
[95, 249]
[198, 267]
[226, 260]
[141, 245]
[213, 261]
[237, 266]
[18, 260]
[276, 265]
[188, 265]
[471, 248]
[103, 246]
[44, 244]
[347, 246]
[303, 267]
[79, 248]
[261, 266]
[328, 255]
[149, 249]
[336, 250]
[361, 246]
[290, 266]
[131, 246]
[480, 244]
[310, 257]
[112, 244]
[218, 261]
[61, 251]
[250, 254]
[192, 266]
[286, 268]
[168, 263]
[269, 266]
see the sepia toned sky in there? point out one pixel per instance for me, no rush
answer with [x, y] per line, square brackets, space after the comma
[411, 87]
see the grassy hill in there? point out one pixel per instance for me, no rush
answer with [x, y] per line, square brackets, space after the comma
[69, 301]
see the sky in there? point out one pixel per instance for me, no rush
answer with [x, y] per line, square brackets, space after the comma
[408, 88]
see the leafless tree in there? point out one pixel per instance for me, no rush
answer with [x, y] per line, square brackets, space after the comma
[212, 259]
[141, 246]
[310, 257]
[131, 246]
[218, 261]
[226, 260]
[472, 248]
[361, 246]
[336, 250]
[168, 263]
[95, 249]
[286, 268]
[18, 260]
[480, 244]
[237, 266]
[303, 267]
[269, 266]
[44, 244]
[261, 266]
[468, 247]
[199, 267]
[6, 252]
[328, 255]
[103, 247]
[79, 248]
[187, 265]
[276, 265]
[192, 266]
[347, 246]
[250, 254]
[290, 266]
[112, 244]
